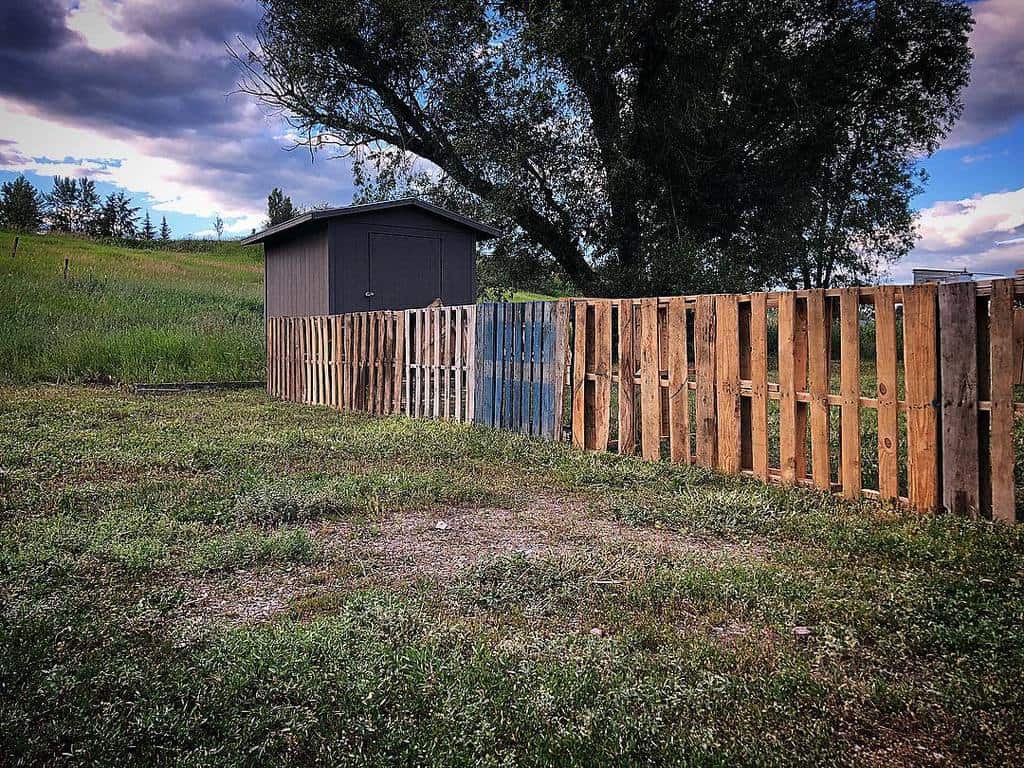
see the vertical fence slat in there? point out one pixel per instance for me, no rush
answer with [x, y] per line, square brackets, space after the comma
[759, 383]
[678, 387]
[472, 370]
[1001, 448]
[817, 365]
[603, 373]
[800, 384]
[849, 392]
[579, 375]
[920, 360]
[727, 383]
[704, 343]
[559, 353]
[959, 377]
[888, 417]
[787, 387]
[650, 381]
[627, 372]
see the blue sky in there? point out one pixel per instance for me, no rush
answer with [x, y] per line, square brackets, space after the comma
[136, 94]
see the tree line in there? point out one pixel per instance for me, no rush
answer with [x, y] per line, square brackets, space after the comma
[74, 206]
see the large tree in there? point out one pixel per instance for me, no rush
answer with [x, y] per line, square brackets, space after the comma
[62, 203]
[21, 206]
[279, 208]
[649, 145]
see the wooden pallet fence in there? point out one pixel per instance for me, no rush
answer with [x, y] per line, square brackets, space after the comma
[351, 362]
[439, 344]
[925, 419]
[519, 366]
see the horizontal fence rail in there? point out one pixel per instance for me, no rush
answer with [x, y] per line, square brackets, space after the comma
[904, 394]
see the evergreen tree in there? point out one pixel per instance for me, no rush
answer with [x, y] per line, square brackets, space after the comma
[148, 230]
[117, 216]
[279, 207]
[86, 207]
[165, 231]
[21, 206]
[63, 204]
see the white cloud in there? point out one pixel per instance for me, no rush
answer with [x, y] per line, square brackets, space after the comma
[97, 22]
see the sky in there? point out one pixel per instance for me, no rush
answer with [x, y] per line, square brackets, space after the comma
[139, 95]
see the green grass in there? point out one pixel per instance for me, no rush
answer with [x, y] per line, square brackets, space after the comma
[333, 631]
[530, 296]
[128, 315]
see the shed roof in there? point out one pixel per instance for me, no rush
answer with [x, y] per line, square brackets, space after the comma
[484, 231]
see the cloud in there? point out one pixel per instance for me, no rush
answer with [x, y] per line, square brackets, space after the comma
[994, 100]
[984, 233]
[138, 93]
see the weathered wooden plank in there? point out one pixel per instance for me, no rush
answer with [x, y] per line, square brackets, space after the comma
[920, 360]
[471, 363]
[603, 373]
[507, 369]
[888, 417]
[555, 383]
[678, 388]
[817, 343]
[627, 371]
[787, 387]
[537, 369]
[759, 383]
[436, 320]
[959, 381]
[650, 381]
[727, 383]
[1002, 457]
[849, 392]
[579, 375]
[800, 384]
[704, 353]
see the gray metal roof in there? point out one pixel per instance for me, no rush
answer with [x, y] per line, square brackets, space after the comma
[484, 230]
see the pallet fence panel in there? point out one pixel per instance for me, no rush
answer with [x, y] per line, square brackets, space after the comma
[849, 392]
[959, 375]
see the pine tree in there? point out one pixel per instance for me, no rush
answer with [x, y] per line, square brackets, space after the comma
[63, 204]
[165, 231]
[148, 230]
[117, 216]
[279, 207]
[21, 206]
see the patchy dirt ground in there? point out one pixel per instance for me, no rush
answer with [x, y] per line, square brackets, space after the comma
[400, 548]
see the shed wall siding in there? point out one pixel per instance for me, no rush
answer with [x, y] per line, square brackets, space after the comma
[297, 274]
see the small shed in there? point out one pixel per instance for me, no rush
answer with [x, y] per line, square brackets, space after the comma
[398, 254]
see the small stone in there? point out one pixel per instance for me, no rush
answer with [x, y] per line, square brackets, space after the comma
[441, 525]
[802, 634]
[597, 632]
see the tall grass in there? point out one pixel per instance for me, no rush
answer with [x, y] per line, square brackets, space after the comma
[126, 314]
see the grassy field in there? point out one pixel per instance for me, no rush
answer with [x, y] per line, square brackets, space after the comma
[128, 315]
[226, 580]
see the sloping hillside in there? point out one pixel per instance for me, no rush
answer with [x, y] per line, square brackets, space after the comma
[128, 314]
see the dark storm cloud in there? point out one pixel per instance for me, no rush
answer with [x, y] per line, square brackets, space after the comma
[994, 100]
[151, 89]
[31, 26]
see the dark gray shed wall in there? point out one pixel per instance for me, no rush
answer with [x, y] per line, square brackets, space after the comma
[297, 272]
[353, 274]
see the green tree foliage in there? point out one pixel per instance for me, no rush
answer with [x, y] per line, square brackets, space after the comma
[279, 208]
[148, 230]
[63, 204]
[87, 207]
[165, 231]
[642, 147]
[117, 217]
[21, 206]
[218, 226]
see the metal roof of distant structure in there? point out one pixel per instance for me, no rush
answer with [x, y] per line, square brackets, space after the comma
[486, 231]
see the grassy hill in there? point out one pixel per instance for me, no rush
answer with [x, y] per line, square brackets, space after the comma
[129, 314]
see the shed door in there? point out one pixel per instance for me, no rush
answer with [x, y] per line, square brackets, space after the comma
[404, 271]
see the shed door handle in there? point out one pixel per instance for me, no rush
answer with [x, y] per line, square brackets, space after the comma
[370, 294]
